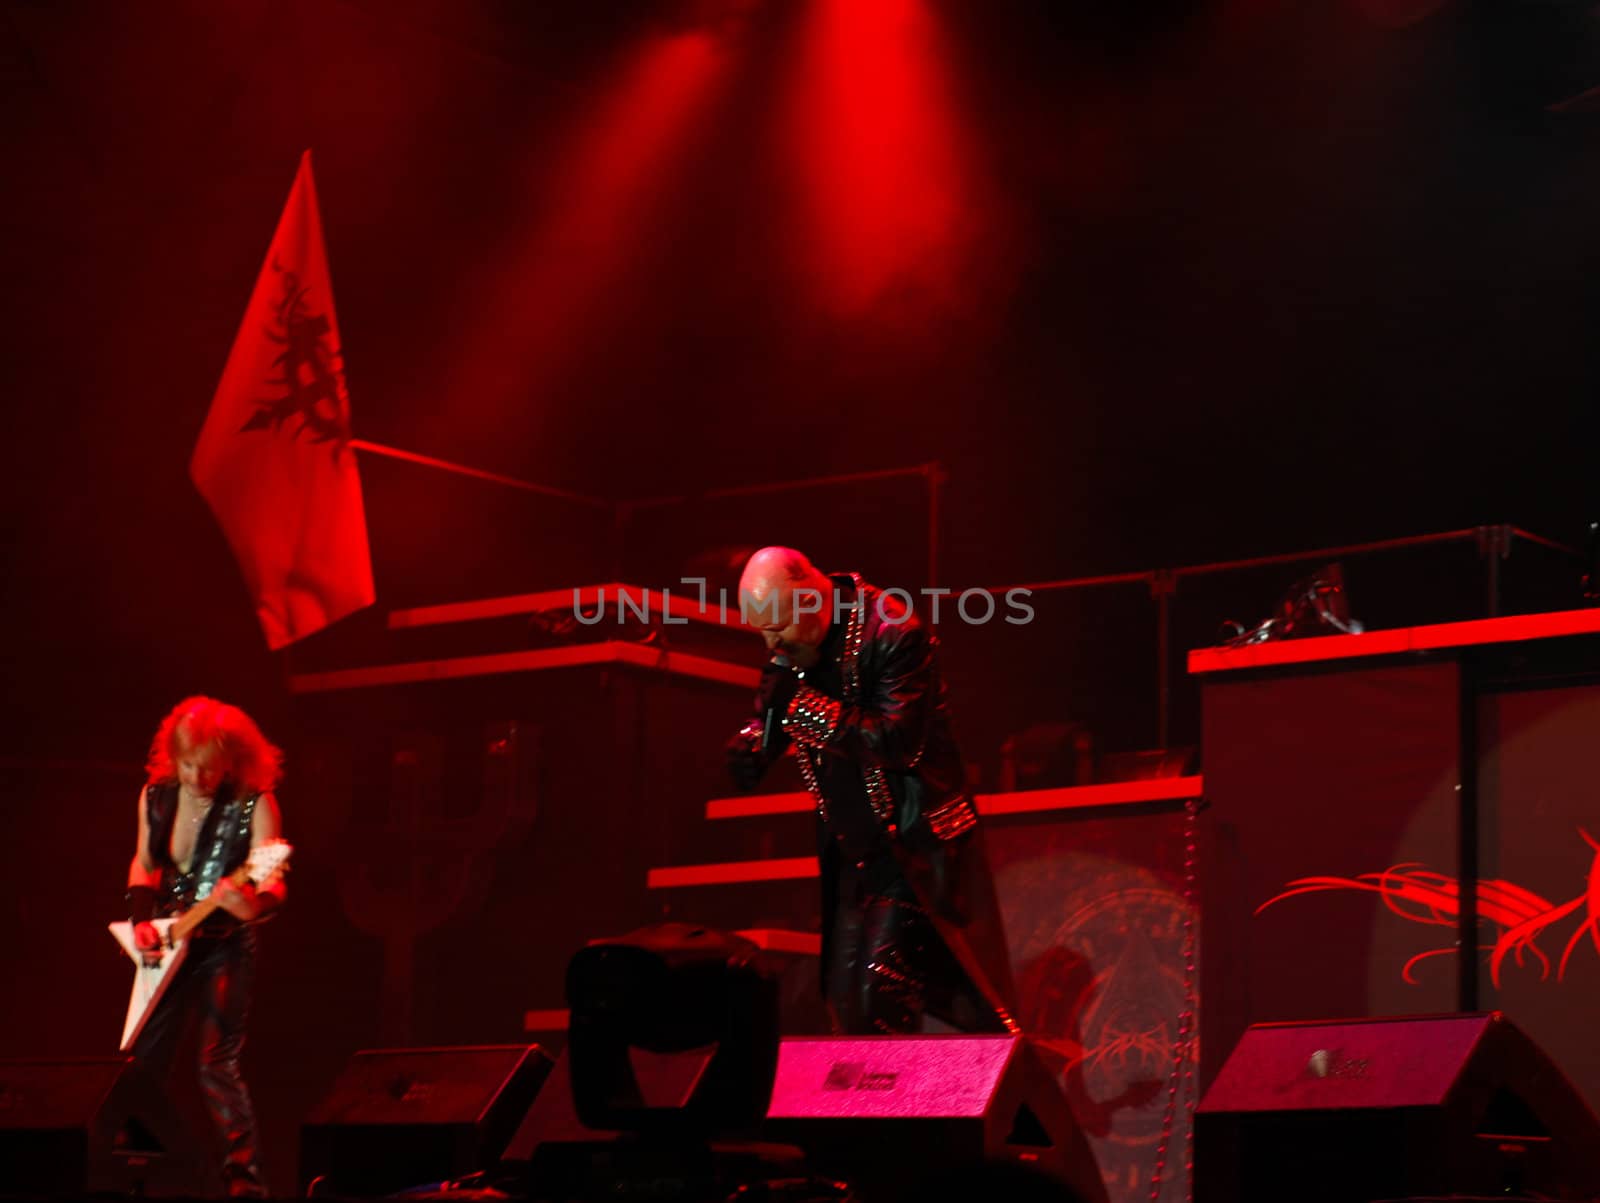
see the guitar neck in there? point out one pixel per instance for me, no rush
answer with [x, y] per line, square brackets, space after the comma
[201, 911]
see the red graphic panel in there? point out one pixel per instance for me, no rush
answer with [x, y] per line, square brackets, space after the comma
[1539, 790]
[1333, 889]
[1516, 917]
[1096, 919]
[1317, 777]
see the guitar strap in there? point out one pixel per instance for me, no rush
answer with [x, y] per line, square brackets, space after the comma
[228, 846]
[223, 845]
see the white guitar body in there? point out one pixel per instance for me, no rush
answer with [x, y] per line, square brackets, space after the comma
[150, 976]
[154, 970]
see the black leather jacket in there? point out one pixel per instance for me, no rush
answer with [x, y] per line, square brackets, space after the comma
[876, 747]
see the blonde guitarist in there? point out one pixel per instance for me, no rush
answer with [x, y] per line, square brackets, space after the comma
[207, 804]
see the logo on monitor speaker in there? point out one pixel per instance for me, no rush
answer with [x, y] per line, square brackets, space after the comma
[1333, 1063]
[854, 1075]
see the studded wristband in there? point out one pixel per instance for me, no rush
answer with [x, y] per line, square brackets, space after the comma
[141, 904]
[954, 818]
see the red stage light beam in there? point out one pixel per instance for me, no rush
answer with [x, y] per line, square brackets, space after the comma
[880, 152]
[588, 227]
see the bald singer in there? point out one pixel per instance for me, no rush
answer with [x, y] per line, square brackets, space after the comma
[910, 924]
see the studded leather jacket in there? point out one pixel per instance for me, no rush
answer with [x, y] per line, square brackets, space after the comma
[872, 732]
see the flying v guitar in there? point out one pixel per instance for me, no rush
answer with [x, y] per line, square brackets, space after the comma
[154, 969]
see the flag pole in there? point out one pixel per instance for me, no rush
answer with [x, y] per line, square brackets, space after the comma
[445, 465]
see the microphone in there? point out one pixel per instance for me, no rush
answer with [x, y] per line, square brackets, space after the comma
[770, 720]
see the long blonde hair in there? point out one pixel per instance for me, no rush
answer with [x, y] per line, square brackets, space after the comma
[254, 764]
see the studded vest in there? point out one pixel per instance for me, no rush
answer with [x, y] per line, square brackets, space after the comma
[222, 846]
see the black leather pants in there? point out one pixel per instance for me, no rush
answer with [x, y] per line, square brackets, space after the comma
[884, 950]
[215, 983]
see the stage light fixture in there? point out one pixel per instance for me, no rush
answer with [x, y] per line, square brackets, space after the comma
[673, 1028]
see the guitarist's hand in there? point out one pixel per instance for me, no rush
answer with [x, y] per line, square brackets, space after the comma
[148, 940]
[239, 901]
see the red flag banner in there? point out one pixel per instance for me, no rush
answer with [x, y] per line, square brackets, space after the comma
[274, 460]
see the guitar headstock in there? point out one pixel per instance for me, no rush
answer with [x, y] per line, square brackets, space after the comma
[267, 861]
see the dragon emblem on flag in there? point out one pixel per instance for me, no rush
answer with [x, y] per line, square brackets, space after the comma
[308, 373]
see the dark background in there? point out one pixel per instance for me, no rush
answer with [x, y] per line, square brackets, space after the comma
[1229, 278]
[1190, 280]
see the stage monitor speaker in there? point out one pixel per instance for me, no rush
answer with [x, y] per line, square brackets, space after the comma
[90, 1125]
[403, 1117]
[910, 1116]
[1351, 1111]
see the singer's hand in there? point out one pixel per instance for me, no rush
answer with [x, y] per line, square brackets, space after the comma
[746, 763]
[778, 685]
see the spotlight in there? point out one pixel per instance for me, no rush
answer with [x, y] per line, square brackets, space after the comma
[672, 1046]
[673, 1028]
